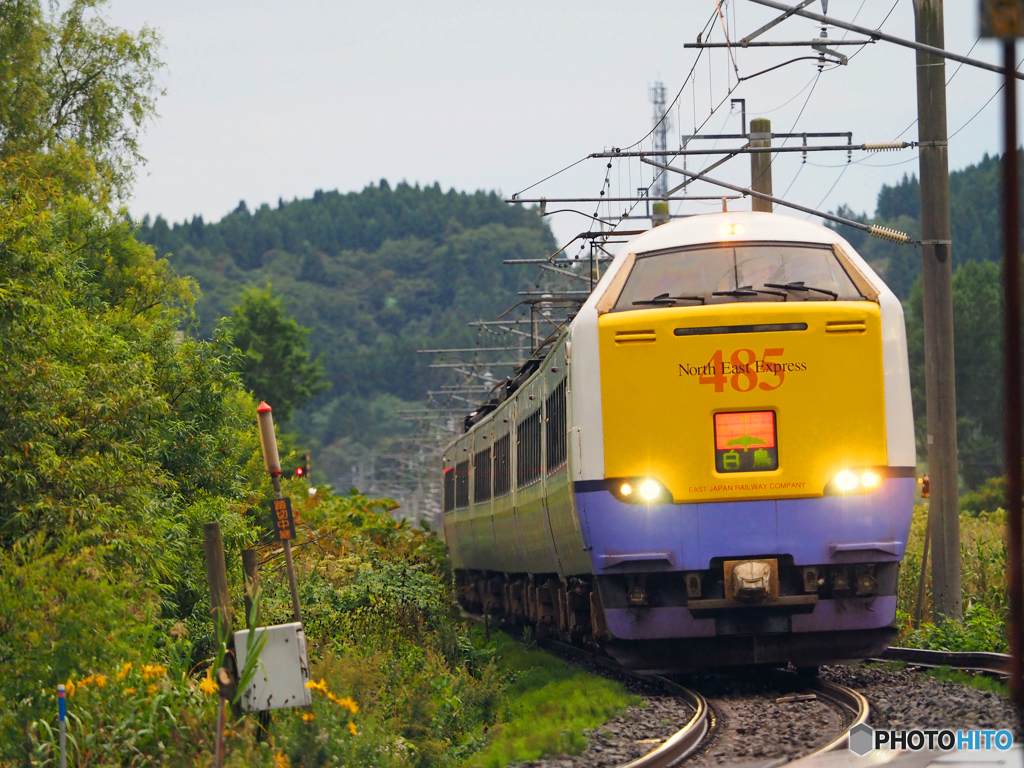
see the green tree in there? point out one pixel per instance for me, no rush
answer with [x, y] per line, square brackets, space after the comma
[75, 92]
[274, 355]
[977, 329]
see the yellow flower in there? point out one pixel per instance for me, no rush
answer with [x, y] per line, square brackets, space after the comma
[69, 689]
[85, 681]
[281, 760]
[153, 670]
[153, 689]
[352, 728]
[207, 685]
[129, 690]
[321, 686]
[307, 716]
[228, 733]
[349, 703]
[101, 680]
[125, 669]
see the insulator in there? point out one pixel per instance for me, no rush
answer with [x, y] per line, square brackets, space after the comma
[888, 234]
[883, 146]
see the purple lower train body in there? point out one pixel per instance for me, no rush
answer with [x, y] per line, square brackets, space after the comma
[662, 574]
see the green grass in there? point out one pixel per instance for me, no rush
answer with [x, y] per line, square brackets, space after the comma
[549, 704]
[981, 682]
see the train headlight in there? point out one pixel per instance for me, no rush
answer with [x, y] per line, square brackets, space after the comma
[650, 490]
[733, 229]
[639, 490]
[846, 481]
[856, 480]
[870, 480]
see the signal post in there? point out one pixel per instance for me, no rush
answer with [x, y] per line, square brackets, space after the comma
[281, 505]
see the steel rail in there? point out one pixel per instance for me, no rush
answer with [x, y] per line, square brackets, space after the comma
[848, 699]
[680, 744]
[997, 664]
[684, 741]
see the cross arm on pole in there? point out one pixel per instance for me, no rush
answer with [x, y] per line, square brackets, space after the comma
[758, 32]
[878, 34]
[873, 230]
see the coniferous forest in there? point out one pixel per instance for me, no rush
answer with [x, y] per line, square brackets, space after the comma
[375, 275]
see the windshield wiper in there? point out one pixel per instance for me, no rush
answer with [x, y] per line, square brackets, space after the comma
[785, 296]
[664, 300]
[799, 286]
[745, 290]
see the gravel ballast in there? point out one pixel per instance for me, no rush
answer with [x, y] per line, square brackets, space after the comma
[906, 699]
[636, 732]
[753, 727]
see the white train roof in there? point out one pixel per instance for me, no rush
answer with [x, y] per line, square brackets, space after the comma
[707, 228]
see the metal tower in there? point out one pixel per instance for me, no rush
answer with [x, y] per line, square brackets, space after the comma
[660, 134]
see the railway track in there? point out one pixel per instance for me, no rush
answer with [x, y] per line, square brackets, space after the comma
[702, 725]
[683, 742]
[848, 700]
[706, 727]
[995, 664]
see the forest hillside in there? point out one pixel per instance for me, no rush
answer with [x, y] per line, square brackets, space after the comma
[376, 275]
[977, 304]
[975, 213]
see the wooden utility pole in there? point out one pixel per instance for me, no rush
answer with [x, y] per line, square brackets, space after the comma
[761, 163]
[937, 277]
[1012, 373]
[251, 569]
[1004, 21]
[217, 577]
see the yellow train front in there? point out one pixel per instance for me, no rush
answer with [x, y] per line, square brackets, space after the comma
[734, 457]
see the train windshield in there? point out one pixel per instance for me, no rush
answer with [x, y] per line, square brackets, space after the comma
[720, 274]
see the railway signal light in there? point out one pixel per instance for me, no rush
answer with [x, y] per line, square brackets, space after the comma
[303, 469]
[925, 486]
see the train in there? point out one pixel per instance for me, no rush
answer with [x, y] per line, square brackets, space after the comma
[712, 465]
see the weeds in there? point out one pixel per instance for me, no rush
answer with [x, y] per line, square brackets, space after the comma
[983, 579]
[549, 705]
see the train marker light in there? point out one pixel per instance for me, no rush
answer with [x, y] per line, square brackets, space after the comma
[869, 479]
[846, 480]
[650, 490]
[626, 489]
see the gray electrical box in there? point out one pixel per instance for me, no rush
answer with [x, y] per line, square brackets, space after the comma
[282, 669]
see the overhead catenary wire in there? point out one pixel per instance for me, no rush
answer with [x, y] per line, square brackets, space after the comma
[643, 138]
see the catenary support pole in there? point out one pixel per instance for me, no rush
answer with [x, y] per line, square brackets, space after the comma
[1012, 376]
[937, 278]
[761, 164]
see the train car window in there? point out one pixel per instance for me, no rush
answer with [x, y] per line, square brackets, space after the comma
[449, 489]
[462, 485]
[556, 440]
[528, 450]
[722, 274]
[482, 476]
[502, 466]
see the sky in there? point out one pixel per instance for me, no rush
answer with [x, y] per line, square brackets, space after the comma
[267, 101]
